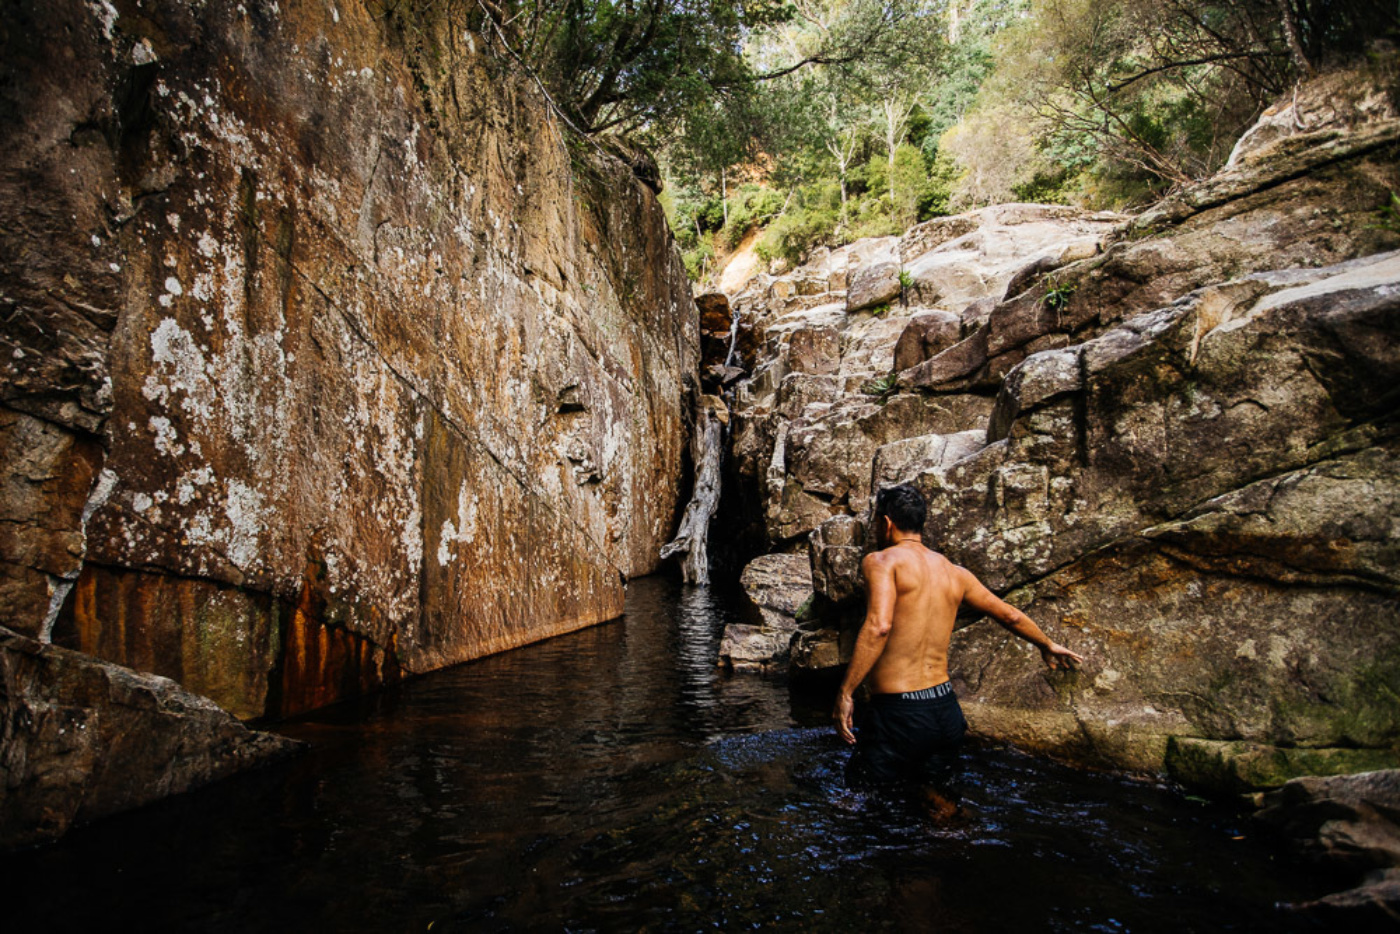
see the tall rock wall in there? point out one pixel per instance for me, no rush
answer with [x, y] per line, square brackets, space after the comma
[1170, 439]
[325, 356]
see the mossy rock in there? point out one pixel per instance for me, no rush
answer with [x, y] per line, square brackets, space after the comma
[1226, 768]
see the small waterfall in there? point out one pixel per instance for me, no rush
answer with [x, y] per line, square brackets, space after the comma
[733, 337]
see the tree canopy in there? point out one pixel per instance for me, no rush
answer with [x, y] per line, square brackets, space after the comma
[819, 121]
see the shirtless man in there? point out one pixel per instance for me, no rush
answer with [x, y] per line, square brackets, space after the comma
[914, 724]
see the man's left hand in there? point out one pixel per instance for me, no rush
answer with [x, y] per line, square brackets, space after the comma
[844, 715]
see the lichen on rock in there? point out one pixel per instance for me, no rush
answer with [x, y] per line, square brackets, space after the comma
[377, 372]
[1170, 439]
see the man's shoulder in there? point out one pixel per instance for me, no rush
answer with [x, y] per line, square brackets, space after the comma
[894, 556]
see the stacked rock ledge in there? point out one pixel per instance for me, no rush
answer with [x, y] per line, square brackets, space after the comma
[1170, 439]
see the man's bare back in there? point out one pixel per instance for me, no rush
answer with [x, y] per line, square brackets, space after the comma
[913, 595]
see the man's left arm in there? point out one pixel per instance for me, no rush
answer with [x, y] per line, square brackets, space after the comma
[870, 644]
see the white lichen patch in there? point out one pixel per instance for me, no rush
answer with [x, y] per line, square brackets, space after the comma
[167, 439]
[186, 487]
[463, 531]
[142, 53]
[173, 290]
[178, 366]
[106, 15]
[243, 507]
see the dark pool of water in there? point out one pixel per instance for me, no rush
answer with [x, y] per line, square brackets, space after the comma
[615, 780]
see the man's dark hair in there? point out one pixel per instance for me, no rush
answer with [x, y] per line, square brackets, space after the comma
[903, 505]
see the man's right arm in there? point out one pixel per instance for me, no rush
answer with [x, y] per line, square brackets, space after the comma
[878, 572]
[983, 600]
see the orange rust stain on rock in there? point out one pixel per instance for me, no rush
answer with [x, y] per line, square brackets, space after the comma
[214, 639]
[324, 662]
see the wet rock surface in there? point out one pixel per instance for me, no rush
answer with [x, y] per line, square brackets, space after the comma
[1351, 822]
[1170, 439]
[81, 739]
[779, 588]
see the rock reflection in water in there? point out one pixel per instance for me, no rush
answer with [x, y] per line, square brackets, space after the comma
[615, 779]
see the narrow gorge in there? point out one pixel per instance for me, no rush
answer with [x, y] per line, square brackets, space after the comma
[335, 354]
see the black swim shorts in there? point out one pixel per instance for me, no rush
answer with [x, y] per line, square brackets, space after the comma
[914, 735]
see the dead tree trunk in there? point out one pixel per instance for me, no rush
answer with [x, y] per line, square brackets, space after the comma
[707, 447]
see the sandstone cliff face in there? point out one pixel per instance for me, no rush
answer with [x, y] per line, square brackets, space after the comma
[325, 358]
[1171, 440]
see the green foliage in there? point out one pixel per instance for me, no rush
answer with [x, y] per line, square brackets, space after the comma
[1122, 99]
[1388, 217]
[858, 118]
[750, 205]
[906, 279]
[620, 64]
[796, 233]
[1049, 185]
[883, 388]
[697, 259]
[1057, 293]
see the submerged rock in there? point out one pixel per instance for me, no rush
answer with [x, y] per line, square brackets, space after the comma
[81, 739]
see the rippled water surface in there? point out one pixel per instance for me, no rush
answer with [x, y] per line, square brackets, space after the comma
[615, 780]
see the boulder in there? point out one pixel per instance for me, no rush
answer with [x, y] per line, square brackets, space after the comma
[1039, 378]
[815, 351]
[715, 316]
[836, 548]
[778, 588]
[820, 651]
[902, 461]
[953, 369]
[872, 286]
[81, 739]
[1345, 819]
[926, 335]
[827, 452]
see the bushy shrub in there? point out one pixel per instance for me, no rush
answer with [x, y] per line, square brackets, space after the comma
[796, 233]
[697, 259]
[750, 206]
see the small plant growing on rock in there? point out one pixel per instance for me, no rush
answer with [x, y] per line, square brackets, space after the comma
[883, 388]
[1388, 217]
[880, 309]
[1057, 294]
[906, 282]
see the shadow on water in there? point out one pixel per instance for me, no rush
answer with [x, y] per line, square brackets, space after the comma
[615, 779]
